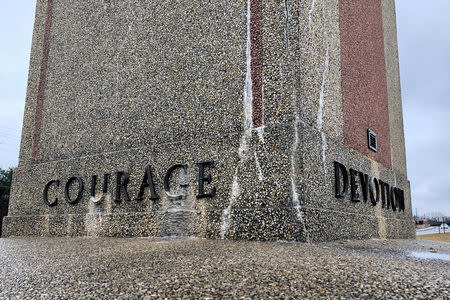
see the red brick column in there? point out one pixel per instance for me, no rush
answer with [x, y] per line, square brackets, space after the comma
[42, 83]
[364, 87]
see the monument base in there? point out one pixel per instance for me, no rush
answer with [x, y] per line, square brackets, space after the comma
[253, 225]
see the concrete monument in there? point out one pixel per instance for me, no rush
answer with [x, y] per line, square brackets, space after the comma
[249, 119]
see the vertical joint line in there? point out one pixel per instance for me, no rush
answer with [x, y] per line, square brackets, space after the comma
[42, 83]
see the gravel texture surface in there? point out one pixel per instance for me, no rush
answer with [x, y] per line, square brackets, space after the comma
[149, 269]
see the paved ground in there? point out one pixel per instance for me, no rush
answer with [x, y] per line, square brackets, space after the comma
[145, 268]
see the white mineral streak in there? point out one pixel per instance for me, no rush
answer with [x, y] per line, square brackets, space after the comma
[258, 167]
[95, 199]
[320, 111]
[260, 131]
[179, 209]
[295, 196]
[313, 4]
[322, 90]
[245, 139]
[324, 149]
[226, 216]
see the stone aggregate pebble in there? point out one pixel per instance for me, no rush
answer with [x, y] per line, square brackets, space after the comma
[144, 268]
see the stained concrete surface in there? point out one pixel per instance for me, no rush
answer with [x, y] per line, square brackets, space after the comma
[83, 268]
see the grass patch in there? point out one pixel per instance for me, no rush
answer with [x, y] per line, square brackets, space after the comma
[439, 237]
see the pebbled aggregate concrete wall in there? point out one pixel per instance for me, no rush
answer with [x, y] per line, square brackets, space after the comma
[255, 86]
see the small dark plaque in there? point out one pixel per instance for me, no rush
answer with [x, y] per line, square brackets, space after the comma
[372, 140]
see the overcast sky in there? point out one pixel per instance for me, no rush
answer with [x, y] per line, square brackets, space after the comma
[424, 45]
[424, 50]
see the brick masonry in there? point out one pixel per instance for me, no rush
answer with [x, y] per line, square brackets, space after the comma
[364, 87]
[42, 82]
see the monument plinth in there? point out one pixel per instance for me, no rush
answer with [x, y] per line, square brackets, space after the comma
[238, 119]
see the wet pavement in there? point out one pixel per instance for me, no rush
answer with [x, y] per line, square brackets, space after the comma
[87, 268]
[431, 230]
[430, 255]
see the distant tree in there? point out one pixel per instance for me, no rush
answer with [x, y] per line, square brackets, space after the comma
[5, 185]
[5, 189]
